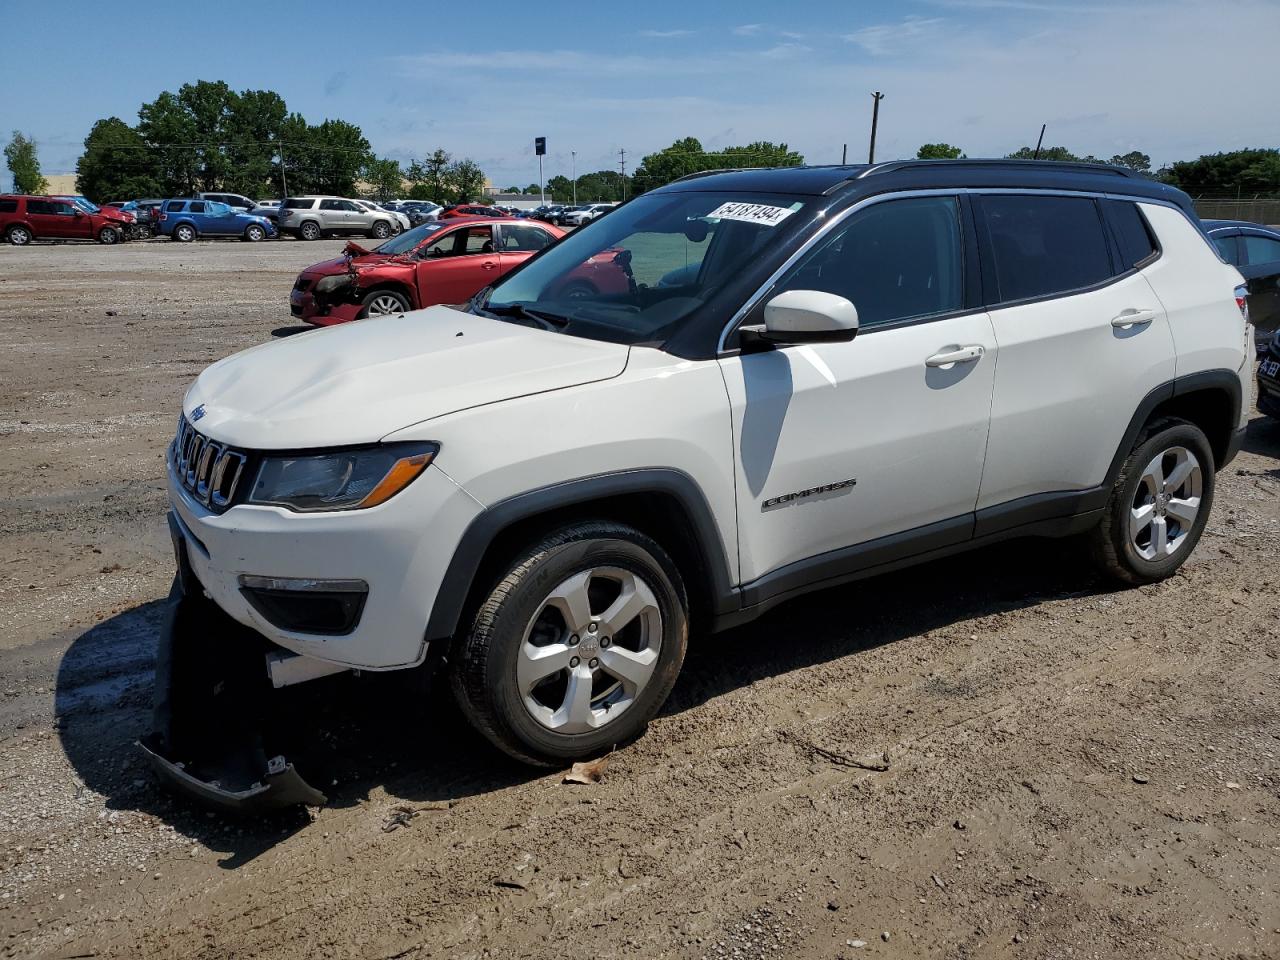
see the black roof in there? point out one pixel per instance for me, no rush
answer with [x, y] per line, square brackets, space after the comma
[864, 179]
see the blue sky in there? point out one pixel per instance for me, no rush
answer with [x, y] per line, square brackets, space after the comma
[1174, 79]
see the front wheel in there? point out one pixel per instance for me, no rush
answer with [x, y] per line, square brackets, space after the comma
[381, 230]
[380, 303]
[577, 646]
[253, 233]
[1159, 505]
[108, 235]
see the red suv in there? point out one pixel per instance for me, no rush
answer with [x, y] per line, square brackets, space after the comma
[434, 263]
[23, 219]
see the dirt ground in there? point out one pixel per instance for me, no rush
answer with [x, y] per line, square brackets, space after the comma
[1072, 771]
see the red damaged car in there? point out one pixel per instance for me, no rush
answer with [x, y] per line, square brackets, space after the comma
[436, 262]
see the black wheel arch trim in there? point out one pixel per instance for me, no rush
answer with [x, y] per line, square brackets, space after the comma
[481, 533]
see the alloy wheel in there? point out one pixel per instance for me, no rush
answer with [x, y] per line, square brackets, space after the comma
[590, 650]
[1166, 503]
[19, 236]
[383, 305]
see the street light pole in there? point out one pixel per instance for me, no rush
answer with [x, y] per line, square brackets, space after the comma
[573, 155]
[875, 119]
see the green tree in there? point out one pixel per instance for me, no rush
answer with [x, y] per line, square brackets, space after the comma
[24, 164]
[428, 177]
[465, 180]
[687, 156]
[384, 178]
[253, 122]
[938, 151]
[1134, 160]
[169, 129]
[532, 190]
[116, 164]
[560, 187]
[1061, 154]
[602, 185]
[1236, 173]
[510, 189]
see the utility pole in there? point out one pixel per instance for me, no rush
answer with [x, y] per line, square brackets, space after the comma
[573, 154]
[1036, 156]
[622, 152]
[284, 182]
[844, 155]
[875, 119]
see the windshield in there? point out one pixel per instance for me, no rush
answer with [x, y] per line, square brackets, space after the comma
[636, 274]
[84, 204]
[406, 241]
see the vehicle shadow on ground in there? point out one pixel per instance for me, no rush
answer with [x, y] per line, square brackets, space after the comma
[1263, 438]
[399, 733]
[292, 331]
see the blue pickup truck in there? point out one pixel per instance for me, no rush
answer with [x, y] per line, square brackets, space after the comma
[185, 220]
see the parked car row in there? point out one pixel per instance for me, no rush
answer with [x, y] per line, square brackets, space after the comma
[27, 218]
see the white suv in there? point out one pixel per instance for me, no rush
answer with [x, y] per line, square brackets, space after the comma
[763, 383]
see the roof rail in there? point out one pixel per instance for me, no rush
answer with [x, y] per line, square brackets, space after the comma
[1059, 165]
[707, 173]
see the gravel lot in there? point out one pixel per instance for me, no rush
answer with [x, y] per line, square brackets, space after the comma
[1072, 771]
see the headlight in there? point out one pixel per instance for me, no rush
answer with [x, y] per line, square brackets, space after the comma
[342, 480]
[335, 282]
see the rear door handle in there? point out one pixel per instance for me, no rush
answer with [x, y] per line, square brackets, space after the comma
[959, 355]
[1132, 318]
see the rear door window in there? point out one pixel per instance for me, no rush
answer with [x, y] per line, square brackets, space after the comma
[1042, 246]
[520, 237]
[1260, 249]
[197, 206]
[40, 207]
[332, 205]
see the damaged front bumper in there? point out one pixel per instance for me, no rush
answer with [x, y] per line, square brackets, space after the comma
[210, 733]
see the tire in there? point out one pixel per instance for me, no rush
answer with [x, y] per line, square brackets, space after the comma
[381, 230]
[525, 704]
[19, 235]
[1149, 526]
[379, 303]
[142, 233]
[253, 233]
[578, 290]
[184, 233]
[310, 231]
[108, 236]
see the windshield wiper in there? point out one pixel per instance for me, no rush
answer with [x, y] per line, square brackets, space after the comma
[547, 320]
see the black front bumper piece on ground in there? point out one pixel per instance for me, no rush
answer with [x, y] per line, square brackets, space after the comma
[213, 708]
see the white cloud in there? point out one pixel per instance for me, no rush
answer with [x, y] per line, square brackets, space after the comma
[748, 29]
[785, 51]
[888, 39]
[665, 34]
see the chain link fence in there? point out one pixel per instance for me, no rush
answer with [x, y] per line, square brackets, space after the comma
[1255, 210]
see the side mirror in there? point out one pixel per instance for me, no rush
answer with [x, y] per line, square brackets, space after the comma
[804, 316]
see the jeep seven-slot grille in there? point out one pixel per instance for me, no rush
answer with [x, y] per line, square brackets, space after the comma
[208, 470]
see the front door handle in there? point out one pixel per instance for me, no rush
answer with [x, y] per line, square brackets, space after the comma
[488, 265]
[1133, 318]
[958, 355]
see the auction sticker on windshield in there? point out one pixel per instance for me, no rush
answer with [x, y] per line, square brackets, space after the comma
[751, 213]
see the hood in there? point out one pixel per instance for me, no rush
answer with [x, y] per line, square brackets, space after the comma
[327, 268]
[357, 382]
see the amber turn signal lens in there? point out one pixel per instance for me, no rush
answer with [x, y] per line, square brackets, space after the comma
[397, 478]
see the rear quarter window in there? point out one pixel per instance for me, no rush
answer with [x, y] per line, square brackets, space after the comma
[1045, 245]
[8, 206]
[1133, 235]
[298, 204]
[175, 206]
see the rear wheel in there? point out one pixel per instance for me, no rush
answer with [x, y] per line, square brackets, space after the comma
[1159, 505]
[108, 235]
[578, 290]
[577, 647]
[380, 303]
[254, 232]
[381, 230]
[184, 233]
[310, 230]
[18, 235]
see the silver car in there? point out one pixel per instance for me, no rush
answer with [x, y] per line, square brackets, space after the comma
[314, 217]
[401, 221]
